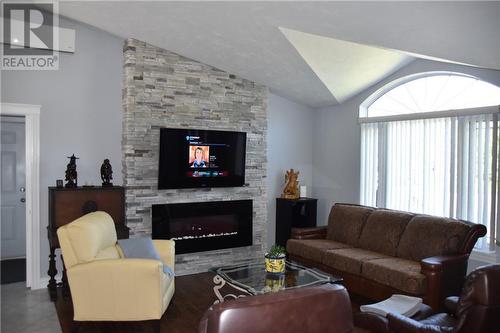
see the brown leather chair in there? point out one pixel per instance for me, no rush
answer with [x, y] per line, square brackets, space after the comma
[325, 309]
[476, 311]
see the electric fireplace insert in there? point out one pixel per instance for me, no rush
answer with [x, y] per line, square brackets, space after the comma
[204, 226]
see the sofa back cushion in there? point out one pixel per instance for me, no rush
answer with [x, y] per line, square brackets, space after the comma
[383, 230]
[428, 236]
[346, 222]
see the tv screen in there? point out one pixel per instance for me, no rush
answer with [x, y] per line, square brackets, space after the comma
[201, 158]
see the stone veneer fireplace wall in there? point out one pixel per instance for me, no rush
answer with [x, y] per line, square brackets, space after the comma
[164, 89]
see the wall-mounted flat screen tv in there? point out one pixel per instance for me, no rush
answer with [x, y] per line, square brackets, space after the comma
[200, 158]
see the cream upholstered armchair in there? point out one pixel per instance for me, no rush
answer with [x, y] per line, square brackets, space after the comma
[104, 285]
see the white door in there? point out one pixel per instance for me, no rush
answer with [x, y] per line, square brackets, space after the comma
[13, 210]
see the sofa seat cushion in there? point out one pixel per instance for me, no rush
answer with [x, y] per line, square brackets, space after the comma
[428, 236]
[345, 223]
[401, 274]
[350, 260]
[312, 249]
[383, 230]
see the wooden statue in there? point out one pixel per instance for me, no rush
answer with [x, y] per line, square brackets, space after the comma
[291, 190]
[106, 173]
[71, 174]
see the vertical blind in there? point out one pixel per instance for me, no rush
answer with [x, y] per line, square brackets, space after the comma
[445, 166]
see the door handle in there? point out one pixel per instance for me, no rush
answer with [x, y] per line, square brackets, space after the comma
[23, 199]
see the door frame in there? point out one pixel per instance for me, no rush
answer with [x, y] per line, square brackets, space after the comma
[31, 114]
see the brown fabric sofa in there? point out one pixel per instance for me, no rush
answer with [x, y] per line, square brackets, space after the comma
[380, 252]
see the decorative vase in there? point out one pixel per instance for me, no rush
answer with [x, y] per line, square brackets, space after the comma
[275, 264]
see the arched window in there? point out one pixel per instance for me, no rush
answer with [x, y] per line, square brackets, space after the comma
[429, 144]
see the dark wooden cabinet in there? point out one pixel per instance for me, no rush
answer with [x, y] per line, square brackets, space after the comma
[68, 204]
[298, 213]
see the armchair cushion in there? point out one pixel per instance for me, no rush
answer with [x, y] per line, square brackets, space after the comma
[398, 273]
[111, 252]
[82, 239]
[166, 250]
[313, 249]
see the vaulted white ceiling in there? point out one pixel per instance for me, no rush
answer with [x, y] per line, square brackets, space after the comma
[316, 53]
[345, 68]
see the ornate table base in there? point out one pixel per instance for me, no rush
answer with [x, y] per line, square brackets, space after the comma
[219, 283]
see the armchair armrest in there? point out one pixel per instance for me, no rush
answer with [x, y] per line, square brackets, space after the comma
[166, 250]
[371, 322]
[309, 233]
[117, 290]
[451, 304]
[402, 324]
[445, 277]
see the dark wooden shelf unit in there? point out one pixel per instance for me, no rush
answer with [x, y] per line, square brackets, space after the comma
[68, 204]
[293, 213]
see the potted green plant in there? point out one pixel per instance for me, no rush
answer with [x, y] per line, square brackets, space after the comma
[275, 259]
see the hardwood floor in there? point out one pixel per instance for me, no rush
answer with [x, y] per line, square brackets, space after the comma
[193, 296]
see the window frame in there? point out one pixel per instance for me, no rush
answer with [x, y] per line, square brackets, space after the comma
[380, 199]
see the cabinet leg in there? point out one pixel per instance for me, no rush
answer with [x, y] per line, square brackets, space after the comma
[75, 326]
[52, 286]
[65, 285]
[156, 325]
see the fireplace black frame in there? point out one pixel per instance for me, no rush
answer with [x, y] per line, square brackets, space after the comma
[243, 209]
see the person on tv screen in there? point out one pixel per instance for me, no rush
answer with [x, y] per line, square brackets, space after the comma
[198, 159]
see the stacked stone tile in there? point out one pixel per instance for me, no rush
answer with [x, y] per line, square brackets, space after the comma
[164, 89]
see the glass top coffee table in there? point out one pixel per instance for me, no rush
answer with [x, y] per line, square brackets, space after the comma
[252, 279]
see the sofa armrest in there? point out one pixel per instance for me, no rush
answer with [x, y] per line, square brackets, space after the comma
[445, 277]
[117, 290]
[402, 324]
[166, 250]
[309, 233]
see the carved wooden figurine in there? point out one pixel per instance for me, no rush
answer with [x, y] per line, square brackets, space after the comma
[106, 173]
[291, 190]
[71, 174]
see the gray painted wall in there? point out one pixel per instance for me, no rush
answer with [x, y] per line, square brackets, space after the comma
[336, 150]
[81, 112]
[289, 145]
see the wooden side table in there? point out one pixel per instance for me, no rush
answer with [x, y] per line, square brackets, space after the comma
[68, 204]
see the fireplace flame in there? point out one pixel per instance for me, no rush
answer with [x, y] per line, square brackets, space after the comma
[206, 236]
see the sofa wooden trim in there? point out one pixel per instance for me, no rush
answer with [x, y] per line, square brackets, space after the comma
[309, 233]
